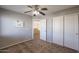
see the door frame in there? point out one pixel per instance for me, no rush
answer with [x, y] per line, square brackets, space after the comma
[32, 27]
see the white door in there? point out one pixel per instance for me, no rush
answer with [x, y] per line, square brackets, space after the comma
[58, 30]
[71, 31]
[43, 29]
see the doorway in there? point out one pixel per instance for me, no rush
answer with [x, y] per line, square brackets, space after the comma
[39, 29]
[36, 29]
[39, 34]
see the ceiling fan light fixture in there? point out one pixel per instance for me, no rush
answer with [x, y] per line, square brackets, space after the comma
[35, 12]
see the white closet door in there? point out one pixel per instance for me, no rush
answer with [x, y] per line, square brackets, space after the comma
[43, 29]
[58, 30]
[71, 31]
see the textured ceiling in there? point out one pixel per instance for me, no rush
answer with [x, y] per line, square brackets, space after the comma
[23, 8]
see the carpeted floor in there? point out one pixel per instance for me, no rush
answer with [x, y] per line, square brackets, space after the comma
[37, 47]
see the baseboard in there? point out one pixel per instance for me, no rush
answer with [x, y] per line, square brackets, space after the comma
[14, 44]
[65, 47]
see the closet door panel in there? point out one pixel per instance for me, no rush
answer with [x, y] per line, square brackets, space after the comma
[70, 31]
[76, 41]
[58, 30]
[68, 39]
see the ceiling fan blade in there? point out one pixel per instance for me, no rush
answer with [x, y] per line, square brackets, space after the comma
[28, 11]
[41, 13]
[29, 6]
[44, 9]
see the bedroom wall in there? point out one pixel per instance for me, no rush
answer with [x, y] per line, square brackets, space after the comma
[9, 33]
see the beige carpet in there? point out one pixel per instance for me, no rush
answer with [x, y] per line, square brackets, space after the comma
[39, 46]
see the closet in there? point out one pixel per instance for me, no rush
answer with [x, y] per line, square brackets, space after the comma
[58, 30]
[71, 31]
[65, 31]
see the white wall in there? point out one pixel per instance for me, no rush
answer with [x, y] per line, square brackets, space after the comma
[9, 33]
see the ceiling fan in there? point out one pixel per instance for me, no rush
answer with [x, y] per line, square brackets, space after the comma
[36, 10]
